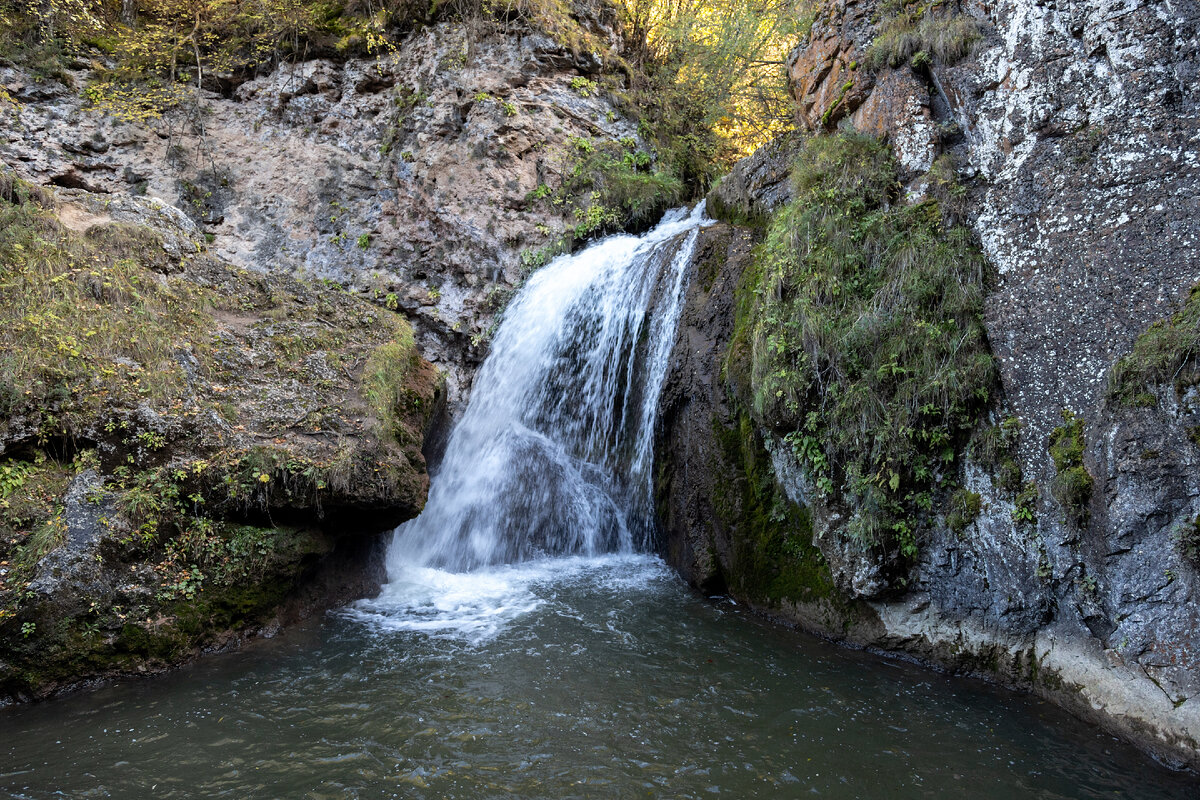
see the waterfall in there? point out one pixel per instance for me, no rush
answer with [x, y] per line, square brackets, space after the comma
[553, 454]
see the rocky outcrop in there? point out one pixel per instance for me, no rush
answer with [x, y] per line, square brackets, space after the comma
[692, 403]
[828, 78]
[405, 178]
[191, 453]
[757, 186]
[1072, 129]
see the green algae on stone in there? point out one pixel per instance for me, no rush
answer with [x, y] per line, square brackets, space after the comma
[774, 559]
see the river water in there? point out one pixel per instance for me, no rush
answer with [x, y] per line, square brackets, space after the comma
[526, 646]
[573, 677]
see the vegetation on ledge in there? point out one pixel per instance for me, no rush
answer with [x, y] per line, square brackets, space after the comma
[921, 34]
[1167, 353]
[704, 79]
[1072, 486]
[861, 343]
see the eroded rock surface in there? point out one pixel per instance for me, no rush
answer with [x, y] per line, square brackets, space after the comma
[405, 178]
[192, 453]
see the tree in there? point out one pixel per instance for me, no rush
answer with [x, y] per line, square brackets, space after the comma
[720, 65]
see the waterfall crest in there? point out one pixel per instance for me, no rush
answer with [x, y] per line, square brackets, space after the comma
[553, 453]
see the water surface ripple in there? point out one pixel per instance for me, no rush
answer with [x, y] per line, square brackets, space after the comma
[579, 677]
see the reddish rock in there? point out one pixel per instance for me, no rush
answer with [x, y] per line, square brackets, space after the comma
[826, 75]
[897, 108]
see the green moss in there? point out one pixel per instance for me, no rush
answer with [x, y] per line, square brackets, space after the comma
[1187, 539]
[1072, 486]
[739, 214]
[964, 507]
[30, 523]
[233, 580]
[1166, 353]
[861, 331]
[386, 382]
[83, 309]
[995, 449]
[774, 559]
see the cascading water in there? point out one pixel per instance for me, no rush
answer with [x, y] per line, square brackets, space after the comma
[553, 455]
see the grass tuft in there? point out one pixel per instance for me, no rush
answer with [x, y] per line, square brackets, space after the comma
[1072, 486]
[1166, 353]
[919, 35]
[387, 379]
[860, 338]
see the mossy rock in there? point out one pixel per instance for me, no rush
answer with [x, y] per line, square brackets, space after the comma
[859, 342]
[1072, 485]
[1166, 354]
[174, 434]
[773, 560]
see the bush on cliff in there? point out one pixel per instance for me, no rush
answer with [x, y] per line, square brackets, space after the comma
[863, 345]
[1167, 353]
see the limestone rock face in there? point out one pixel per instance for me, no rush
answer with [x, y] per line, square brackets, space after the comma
[1074, 128]
[404, 178]
[1079, 124]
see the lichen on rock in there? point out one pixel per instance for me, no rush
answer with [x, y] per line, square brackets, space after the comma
[1062, 559]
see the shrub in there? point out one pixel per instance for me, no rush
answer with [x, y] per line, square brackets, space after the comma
[584, 87]
[607, 187]
[1025, 505]
[710, 76]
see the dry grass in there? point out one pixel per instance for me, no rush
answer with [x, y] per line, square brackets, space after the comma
[86, 318]
[945, 36]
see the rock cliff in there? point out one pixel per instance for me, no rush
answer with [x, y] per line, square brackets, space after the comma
[411, 179]
[1065, 559]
